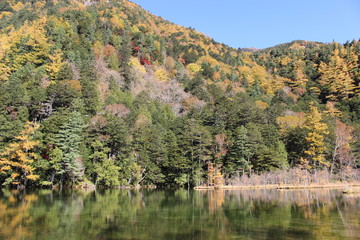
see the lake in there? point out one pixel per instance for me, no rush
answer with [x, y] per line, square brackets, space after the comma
[178, 214]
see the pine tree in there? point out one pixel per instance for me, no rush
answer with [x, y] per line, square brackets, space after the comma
[89, 91]
[195, 141]
[239, 155]
[177, 164]
[150, 152]
[55, 164]
[125, 55]
[68, 140]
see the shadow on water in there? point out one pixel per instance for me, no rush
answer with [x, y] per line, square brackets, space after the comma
[178, 214]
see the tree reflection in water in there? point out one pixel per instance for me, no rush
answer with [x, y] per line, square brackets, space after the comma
[178, 214]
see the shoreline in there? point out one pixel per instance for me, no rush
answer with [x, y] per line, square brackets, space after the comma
[280, 187]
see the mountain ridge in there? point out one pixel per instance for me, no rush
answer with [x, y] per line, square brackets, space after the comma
[105, 92]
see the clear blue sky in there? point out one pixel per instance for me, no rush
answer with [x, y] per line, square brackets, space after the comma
[263, 23]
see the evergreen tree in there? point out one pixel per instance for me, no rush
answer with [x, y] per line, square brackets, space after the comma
[125, 54]
[68, 140]
[195, 141]
[177, 164]
[238, 159]
[150, 152]
[89, 91]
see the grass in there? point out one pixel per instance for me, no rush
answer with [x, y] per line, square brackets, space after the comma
[352, 190]
[281, 186]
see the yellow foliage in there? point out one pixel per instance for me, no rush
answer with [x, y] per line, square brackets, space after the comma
[169, 63]
[246, 73]
[134, 62]
[285, 61]
[261, 104]
[208, 59]
[213, 62]
[300, 77]
[40, 4]
[5, 72]
[246, 58]
[118, 22]
[194, 68]
[315, 138]
[157, 45]
[259, 73]
[297, 46]
[18, 6]
[5, 168]
[291, 121]
[5, 14]
[337, 76]
[14, 175]
[56, 62]
[98, 49]
[16, 159]
[331, 110]
[162, 75]
[135, 29]
[31, 36]
[32, 177]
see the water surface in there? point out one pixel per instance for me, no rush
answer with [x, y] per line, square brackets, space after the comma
[180, 214]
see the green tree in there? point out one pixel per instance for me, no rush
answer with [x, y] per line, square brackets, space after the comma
[296, 145]
[150, 152]
[68, 140]
[104, 170]
[176, 165]
[238, 158]
[89, 91]
[195, 141]
[65, 88]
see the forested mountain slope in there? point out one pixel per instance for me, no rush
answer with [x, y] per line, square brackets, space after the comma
[107, 93]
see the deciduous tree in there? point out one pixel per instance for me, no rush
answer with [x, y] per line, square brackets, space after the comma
[16, 160]
[316, 137]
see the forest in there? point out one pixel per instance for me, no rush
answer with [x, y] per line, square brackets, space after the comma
[103, 93]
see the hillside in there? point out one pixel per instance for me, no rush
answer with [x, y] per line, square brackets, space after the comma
[107, 93]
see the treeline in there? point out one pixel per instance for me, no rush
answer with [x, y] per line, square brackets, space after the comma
[108, 94]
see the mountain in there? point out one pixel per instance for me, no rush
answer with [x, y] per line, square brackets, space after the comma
[104, 92]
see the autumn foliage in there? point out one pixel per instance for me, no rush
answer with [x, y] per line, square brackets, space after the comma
[122, 97]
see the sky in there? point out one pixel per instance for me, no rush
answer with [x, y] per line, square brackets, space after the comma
[263, 23]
